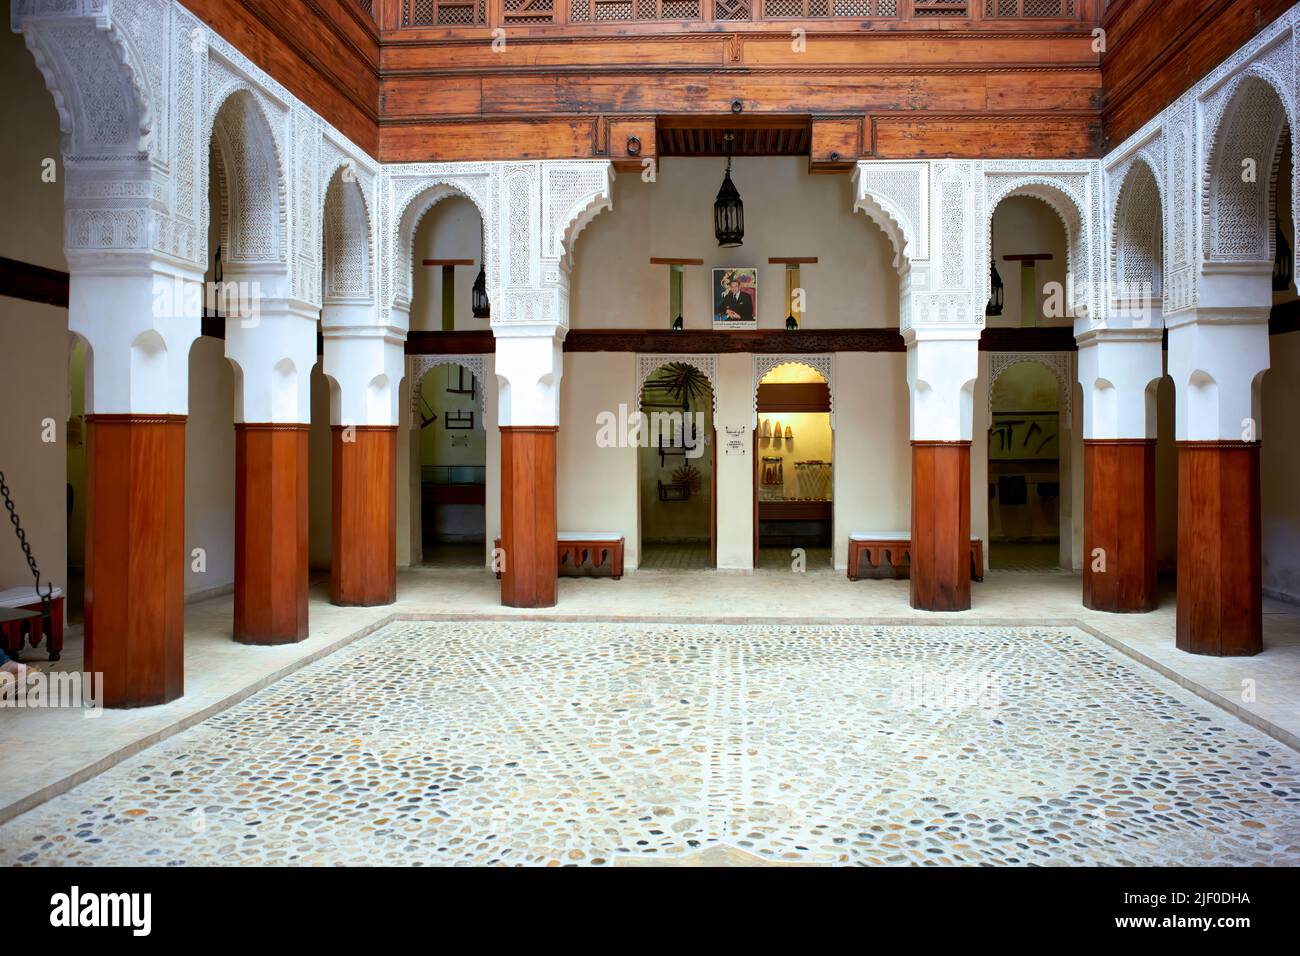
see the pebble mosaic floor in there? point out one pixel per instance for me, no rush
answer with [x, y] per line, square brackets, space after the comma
[625, 744]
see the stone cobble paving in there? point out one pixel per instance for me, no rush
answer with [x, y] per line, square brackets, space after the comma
[610, 743]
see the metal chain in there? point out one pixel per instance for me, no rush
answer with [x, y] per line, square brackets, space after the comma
[27, 553]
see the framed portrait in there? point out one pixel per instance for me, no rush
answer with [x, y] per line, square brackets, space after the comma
[735, 298]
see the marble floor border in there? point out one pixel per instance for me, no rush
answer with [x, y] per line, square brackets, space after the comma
[62, 785]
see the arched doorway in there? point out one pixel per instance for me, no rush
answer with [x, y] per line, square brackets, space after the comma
[677, 469]
[447, 415]
[1025, 441]
[793, 468]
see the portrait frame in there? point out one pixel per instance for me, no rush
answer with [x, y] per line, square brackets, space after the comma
[730, 313]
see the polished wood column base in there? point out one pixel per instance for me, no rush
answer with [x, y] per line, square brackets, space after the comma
[1220, 574]
[941, 526]
[528, 515]
[270, 533]
[363, 545]
[135, 557]
[1119, 525]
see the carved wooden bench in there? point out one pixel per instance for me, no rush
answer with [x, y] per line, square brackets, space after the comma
[28, 600]
[576, 551]
[895, 547]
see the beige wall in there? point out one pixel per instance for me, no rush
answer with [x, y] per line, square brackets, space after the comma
[597, 487]
[34, 389]
[787, 213]
[873, 457]
[34, 341]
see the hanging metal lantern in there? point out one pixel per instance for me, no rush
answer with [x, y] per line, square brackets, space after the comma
[728, 210]
[1283, 267]
[995, 302]
[478, 297]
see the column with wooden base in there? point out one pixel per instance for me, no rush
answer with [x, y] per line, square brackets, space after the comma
[1220, 577]
[363, 543]
[132, 317]
[274, 354]
[528, 515]
[364, 363]
[270, 533]
[1217, 358]
[1119, 524]
[1119, 369]
[135, 557]
[942, 365]
[940, 576]
[529, 363]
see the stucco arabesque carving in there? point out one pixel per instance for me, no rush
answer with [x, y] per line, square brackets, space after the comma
[1196, 142]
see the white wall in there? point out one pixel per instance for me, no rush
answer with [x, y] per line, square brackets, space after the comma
[1280, 469]
[787, 213]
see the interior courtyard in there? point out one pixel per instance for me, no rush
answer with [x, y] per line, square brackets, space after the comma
[663, 438]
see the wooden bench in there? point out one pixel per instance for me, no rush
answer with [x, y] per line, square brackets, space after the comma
[27, 599]
[895, 547]
[579, 550]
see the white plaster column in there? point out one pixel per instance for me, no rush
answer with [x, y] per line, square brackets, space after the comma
[1117, 369]
[1217, 357]
[365, 365]
[942, 366]
[139, 316]
[529, 366]
[271, 340]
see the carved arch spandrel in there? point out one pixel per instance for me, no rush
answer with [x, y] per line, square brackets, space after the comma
[822, 364]
[648, 364]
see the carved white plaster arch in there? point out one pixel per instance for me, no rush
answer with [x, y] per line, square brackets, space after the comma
[1066, 197]
[414, 195]
[822, 363]
[1137, 232]
[896, 196]
[96, 77]
[348, 247]
[1246, 120]
[419, 366]
[648, 364]
[1058, 363]
[254, 178]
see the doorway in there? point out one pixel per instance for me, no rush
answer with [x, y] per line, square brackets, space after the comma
[1024, 469]
[793, 470]
[678, 467]
[453, 467]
